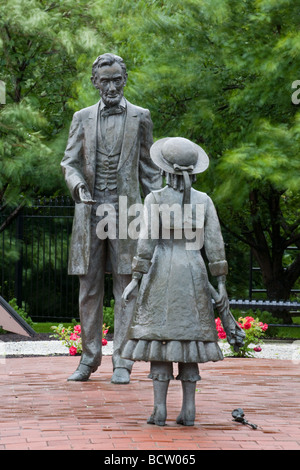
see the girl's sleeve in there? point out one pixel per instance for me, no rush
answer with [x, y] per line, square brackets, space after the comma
[213, 242]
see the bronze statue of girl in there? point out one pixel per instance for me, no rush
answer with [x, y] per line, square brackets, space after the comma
[173, 318]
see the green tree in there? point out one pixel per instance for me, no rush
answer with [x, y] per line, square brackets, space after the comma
[221, 74]
[217, 72]
[262, 166]
[41, 45]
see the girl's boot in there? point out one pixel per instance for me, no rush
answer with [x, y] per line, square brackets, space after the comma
[188, 374]
[160, 373]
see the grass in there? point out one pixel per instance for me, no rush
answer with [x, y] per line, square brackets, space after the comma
[283, 332]
[286, 332]
[46, 326]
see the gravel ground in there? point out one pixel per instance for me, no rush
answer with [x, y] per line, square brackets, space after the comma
[41, 348]
[275, 350]
[12, 345]
[42, 344]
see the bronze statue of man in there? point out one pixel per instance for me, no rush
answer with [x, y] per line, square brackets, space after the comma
[107, 156]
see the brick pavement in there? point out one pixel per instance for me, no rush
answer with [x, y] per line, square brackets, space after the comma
[40, 410]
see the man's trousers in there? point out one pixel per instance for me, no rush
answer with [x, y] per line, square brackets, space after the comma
[91, 293]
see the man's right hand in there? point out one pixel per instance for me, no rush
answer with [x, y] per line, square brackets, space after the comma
[85, 195]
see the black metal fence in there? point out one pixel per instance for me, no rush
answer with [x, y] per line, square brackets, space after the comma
[34, 257]
[256, 289]
[34, 261]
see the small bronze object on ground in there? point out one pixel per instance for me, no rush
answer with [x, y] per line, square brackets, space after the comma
[238, 415]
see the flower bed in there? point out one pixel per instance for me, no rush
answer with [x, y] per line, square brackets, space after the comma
[254, 330]
[71, 337]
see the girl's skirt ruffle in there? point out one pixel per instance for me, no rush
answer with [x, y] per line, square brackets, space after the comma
[172, 351]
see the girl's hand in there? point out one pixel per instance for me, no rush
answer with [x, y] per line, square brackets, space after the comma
[222, 302]
[128, 291]
[234, 333]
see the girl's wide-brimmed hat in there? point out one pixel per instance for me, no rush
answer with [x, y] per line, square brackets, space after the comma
[176, 155]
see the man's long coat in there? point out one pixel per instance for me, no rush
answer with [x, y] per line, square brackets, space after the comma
[135, 171]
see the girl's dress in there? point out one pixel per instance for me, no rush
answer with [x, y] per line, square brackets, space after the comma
[173, 319]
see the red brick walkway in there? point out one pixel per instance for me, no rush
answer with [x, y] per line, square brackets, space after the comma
[41, 410]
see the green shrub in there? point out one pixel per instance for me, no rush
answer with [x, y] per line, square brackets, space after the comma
[108, 316]
[264, 317]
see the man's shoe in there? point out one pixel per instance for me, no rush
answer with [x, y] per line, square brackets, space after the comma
[81, 374]
[121, 375]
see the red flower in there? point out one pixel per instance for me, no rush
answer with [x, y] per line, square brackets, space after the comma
[257, 349]
[263, 326]
[72, 350]
[77, 328]
[104, 342]
[247, 325]
[250, 319]
[220, 330]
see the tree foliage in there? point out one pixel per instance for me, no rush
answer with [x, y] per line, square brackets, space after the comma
[41, 42]
[221, 74]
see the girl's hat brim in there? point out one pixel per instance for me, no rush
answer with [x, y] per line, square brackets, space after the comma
[156, 155]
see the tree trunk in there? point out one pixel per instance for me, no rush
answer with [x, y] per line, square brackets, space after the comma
[269, 256]
[275, 281]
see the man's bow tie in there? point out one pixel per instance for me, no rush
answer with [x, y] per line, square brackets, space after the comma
[113, 110]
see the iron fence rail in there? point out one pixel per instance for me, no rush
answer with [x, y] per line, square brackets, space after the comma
[34, 258]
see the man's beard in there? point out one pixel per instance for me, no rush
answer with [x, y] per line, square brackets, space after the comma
[112, 101]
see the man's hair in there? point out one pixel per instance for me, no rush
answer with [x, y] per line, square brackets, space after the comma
[104, 60]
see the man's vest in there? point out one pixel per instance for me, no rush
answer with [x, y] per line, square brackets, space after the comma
[109, 146]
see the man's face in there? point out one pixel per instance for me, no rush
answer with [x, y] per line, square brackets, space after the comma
[110, 81]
